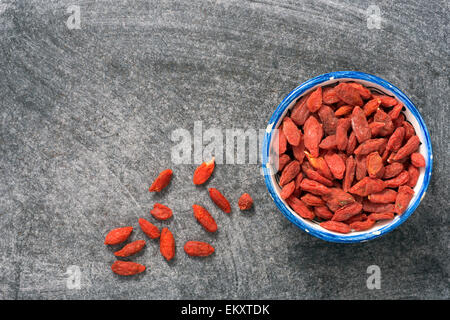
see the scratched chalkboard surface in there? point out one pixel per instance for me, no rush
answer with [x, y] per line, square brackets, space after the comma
[98, 97]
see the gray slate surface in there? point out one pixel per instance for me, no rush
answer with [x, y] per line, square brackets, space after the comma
[86, 118]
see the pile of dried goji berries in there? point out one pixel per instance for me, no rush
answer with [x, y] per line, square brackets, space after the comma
[347, 157]
[162, 212]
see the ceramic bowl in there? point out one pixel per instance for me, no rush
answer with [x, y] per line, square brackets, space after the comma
[268, 156]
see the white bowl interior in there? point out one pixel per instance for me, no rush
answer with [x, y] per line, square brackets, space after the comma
[422, 149]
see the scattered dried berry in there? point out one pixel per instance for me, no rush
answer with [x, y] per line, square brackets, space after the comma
[161, 212]
[203, 172]
[130, 249]
[118, 235]
[149, 229]
[245, 202]
[204, 218]
[167, 244]
[127, 268]
[161, 181]
[198, 248]
[219, 199]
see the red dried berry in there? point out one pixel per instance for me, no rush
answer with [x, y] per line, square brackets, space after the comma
[219, 199]
[118, 235]
[203, 172]
[161, 212]
[161, 181]
[245, 202]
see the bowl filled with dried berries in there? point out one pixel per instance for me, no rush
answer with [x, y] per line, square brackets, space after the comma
[347, 157]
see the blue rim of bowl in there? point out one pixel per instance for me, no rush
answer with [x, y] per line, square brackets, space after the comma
[297, 92]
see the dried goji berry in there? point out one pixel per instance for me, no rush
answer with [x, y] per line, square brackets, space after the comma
[360, 126]
[349, 176]
[118, 235]
[329, 120]
[314, 101]
[369, 206]
[198, 248]
[341, 133]
[376, 128]
[347, 211]
[167, 244]
[161, 181]
[360, 167]
[283, 160]
[314, 187]
[351, 144]
[399, 120]
[395, 112]
[312, 200]
[396, 139]
[314, 175]
[130, 249]
[413, 174]
[374, 165]
[291, 132]
[328, 142]
[323, 212]
[348, 94]
[363, 91]
[320, 165]
[312, 135]
[203, 172]
[386, 101]
[335, 226]
[343, 110]
[289, 172]
[245, 202]
[371, 106]
[299, 207]
[300, 112]
[282, 141]
[204, 218]
[399, 180]
[385, 156]
[381, 116]
[385, 196]
[336, 165]
[337, 198]
[298, 179]
[219, 199]
[149, 229]
[392, 170]
[417, 160]
[377, 216]
[409, 130]
[299, 151]
[287, 190]
[127, 268]
[368, 186]
[404, 196]
[161, 212]
[369, 146]
[329, 96]
[357, 217]
[362, 225]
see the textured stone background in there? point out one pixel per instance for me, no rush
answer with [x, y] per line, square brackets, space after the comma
[86, 118]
